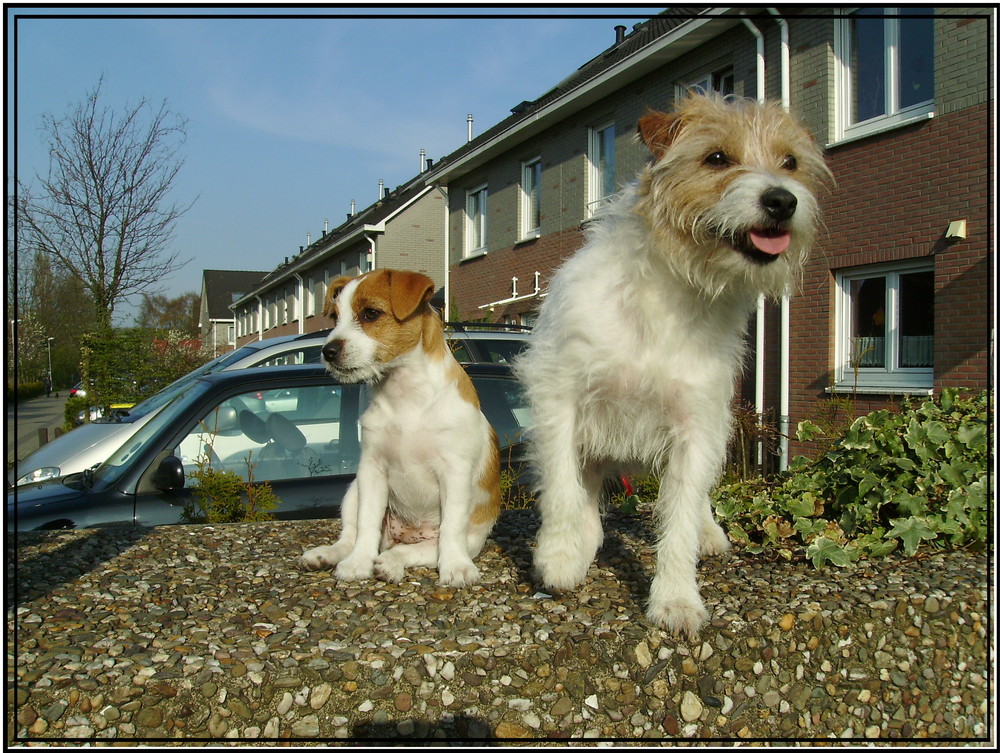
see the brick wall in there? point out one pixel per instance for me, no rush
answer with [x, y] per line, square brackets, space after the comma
[414, 238]
[895, 197]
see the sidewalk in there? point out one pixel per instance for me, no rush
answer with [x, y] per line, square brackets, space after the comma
[24, 419]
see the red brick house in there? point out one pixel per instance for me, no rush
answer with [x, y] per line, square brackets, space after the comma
[896, 297]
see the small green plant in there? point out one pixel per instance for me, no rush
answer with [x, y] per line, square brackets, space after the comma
[223, 496]
[912, 478]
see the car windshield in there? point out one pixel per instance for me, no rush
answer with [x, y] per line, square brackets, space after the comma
[168, 393]
[108, 473]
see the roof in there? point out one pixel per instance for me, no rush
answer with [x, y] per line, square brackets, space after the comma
[371, 219]
[682, 28]
[220, 287]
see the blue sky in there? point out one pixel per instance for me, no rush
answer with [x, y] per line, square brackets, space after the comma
[291, 119]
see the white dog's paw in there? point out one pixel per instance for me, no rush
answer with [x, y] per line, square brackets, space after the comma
[355, 567]
[680, 616]
[388, 567]
[323, 557]
[458, 574]
[713, 540]
[559, 566]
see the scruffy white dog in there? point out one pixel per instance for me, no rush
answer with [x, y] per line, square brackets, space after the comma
[638, 343]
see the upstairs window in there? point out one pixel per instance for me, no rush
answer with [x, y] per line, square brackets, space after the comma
[886, 68]
[601, 184]
[475, 228]
[531, 202]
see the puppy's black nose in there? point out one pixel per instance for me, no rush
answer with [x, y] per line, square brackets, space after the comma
[779, 203]
[332, 349]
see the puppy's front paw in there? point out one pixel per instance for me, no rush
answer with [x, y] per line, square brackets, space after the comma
[322, 557]
[458, 574]
[678, 615]
[388, 567]
[355, 567]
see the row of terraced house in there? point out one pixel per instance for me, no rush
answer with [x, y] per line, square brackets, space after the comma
[896, 298]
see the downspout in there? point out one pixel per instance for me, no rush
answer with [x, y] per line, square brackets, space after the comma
[447, 259]
[759, 344]
[784, 421]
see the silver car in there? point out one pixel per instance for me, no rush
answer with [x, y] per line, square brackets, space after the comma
[93, 443]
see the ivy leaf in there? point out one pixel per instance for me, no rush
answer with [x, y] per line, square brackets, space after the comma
[911, 531]
[824, 550]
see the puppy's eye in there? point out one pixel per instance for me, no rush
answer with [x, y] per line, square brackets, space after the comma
[718, 159]
[370, 315]
[790, 163]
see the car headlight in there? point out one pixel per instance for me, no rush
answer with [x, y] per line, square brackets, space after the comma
[39, 474]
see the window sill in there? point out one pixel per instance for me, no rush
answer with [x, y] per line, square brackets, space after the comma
[528, 238]
[474, 255]
[879, 128]
[878, 389]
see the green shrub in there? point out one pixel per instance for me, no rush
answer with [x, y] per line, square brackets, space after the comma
[916, 478]
[223, 496]
[24, 390]
[74, 407]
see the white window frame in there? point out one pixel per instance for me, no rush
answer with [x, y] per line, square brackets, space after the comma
[889, 379]
[531, 211]
[596, 196]
[471, 248]
[894, 117]
[708, 83]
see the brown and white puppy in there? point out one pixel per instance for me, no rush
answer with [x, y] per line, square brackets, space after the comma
[427, 492]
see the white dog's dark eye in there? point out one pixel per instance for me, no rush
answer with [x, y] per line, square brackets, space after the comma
[790, 163]
[370, 315]
[718, 159]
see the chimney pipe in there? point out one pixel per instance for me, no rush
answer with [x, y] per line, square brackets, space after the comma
[468, 120]
[326, 225]
[423, 160]
[381, 189]
[309, 239]
[620, 34]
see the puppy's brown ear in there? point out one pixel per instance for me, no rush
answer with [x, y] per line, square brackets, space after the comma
[332, 291]
[408, 291]
[657, 131]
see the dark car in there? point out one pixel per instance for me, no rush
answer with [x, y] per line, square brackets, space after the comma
[295, 427]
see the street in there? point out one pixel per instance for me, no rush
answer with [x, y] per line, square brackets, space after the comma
[24, 419]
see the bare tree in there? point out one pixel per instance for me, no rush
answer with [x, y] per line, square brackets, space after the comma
[103, 210]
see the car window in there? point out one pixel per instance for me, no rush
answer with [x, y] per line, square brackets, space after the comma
[500, 351]
[504, 404]
[310, 354]
[461, 351]
[296, 432]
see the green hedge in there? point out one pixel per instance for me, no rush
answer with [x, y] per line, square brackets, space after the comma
[24, 390]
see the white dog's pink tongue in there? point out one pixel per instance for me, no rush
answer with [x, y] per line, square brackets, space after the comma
[771, 243]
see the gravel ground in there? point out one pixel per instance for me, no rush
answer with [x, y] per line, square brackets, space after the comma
[195, 632]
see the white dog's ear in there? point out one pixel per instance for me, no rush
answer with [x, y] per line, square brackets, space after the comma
[657, 130]
[408, 291]
[332, 291]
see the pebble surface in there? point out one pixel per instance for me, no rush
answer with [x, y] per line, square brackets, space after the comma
[210, 632]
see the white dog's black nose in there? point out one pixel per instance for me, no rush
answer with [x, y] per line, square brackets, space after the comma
[332, 349]
[779, 203]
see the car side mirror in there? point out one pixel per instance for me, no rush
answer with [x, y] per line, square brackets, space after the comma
[169, 475]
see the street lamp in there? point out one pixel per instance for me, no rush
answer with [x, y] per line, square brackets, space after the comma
[49, 343]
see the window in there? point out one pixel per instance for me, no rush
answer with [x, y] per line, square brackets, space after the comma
[722, 81]
[297, 432]
[885, 332]
[601, 167]
[885, 67]
[475, 210]
[531, 202]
